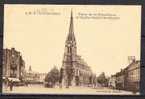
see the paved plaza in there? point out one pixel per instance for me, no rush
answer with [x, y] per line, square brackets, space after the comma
[40, 89]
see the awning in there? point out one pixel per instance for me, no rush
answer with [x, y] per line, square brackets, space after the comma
[14, 79]
[4, 77]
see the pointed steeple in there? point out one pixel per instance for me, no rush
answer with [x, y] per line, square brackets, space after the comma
[71, 36]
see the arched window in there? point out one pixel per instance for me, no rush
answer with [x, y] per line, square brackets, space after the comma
[68, 50]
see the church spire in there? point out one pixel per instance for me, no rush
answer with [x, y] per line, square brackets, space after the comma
[71, 36]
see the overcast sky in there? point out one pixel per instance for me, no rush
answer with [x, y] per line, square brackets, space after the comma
[104, 44]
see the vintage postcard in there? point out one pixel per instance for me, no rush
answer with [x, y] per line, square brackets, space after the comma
[71, 49]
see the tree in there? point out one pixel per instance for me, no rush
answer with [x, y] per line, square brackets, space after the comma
[102, 79]
[52, 76]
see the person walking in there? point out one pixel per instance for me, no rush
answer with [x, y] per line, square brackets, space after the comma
[11, 85]
[6, 83]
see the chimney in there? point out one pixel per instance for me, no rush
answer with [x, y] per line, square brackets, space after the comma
[131, 59]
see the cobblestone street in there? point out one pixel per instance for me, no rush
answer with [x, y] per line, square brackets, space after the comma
[40, 89]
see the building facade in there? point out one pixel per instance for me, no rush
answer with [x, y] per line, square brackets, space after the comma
[120, 79]
[129, 77]
[34, 77]
[112, 81]
[13, 64]
[75, 71]
[133, 76]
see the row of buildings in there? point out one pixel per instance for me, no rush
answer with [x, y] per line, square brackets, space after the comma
[13, 64]
[14, 68]
[128, 78]
[34, 77]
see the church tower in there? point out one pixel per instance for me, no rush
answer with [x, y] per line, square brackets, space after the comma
[69, 59]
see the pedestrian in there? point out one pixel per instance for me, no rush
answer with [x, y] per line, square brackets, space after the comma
[60, 85]
[26, 83]
[11, 85]
[7, 83]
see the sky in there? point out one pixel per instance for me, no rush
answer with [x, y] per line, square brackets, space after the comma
[104, 44]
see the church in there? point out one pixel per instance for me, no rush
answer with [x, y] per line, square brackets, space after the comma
[75, 71]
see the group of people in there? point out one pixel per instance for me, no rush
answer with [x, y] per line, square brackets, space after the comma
[8, 84]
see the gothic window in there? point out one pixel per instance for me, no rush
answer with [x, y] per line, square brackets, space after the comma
[68, 50]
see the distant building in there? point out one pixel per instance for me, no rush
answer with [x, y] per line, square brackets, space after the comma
[13, 64]
[76, 71]
[129, 77]
[31, 76]
[112, 81]
[42, 77]
[34, 77]
[120, 79]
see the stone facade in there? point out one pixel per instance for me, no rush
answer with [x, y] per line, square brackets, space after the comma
[129, 77]
[133, 76]
[13, 64]
[76, 71]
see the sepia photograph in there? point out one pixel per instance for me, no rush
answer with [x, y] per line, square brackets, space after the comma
[71, 49]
